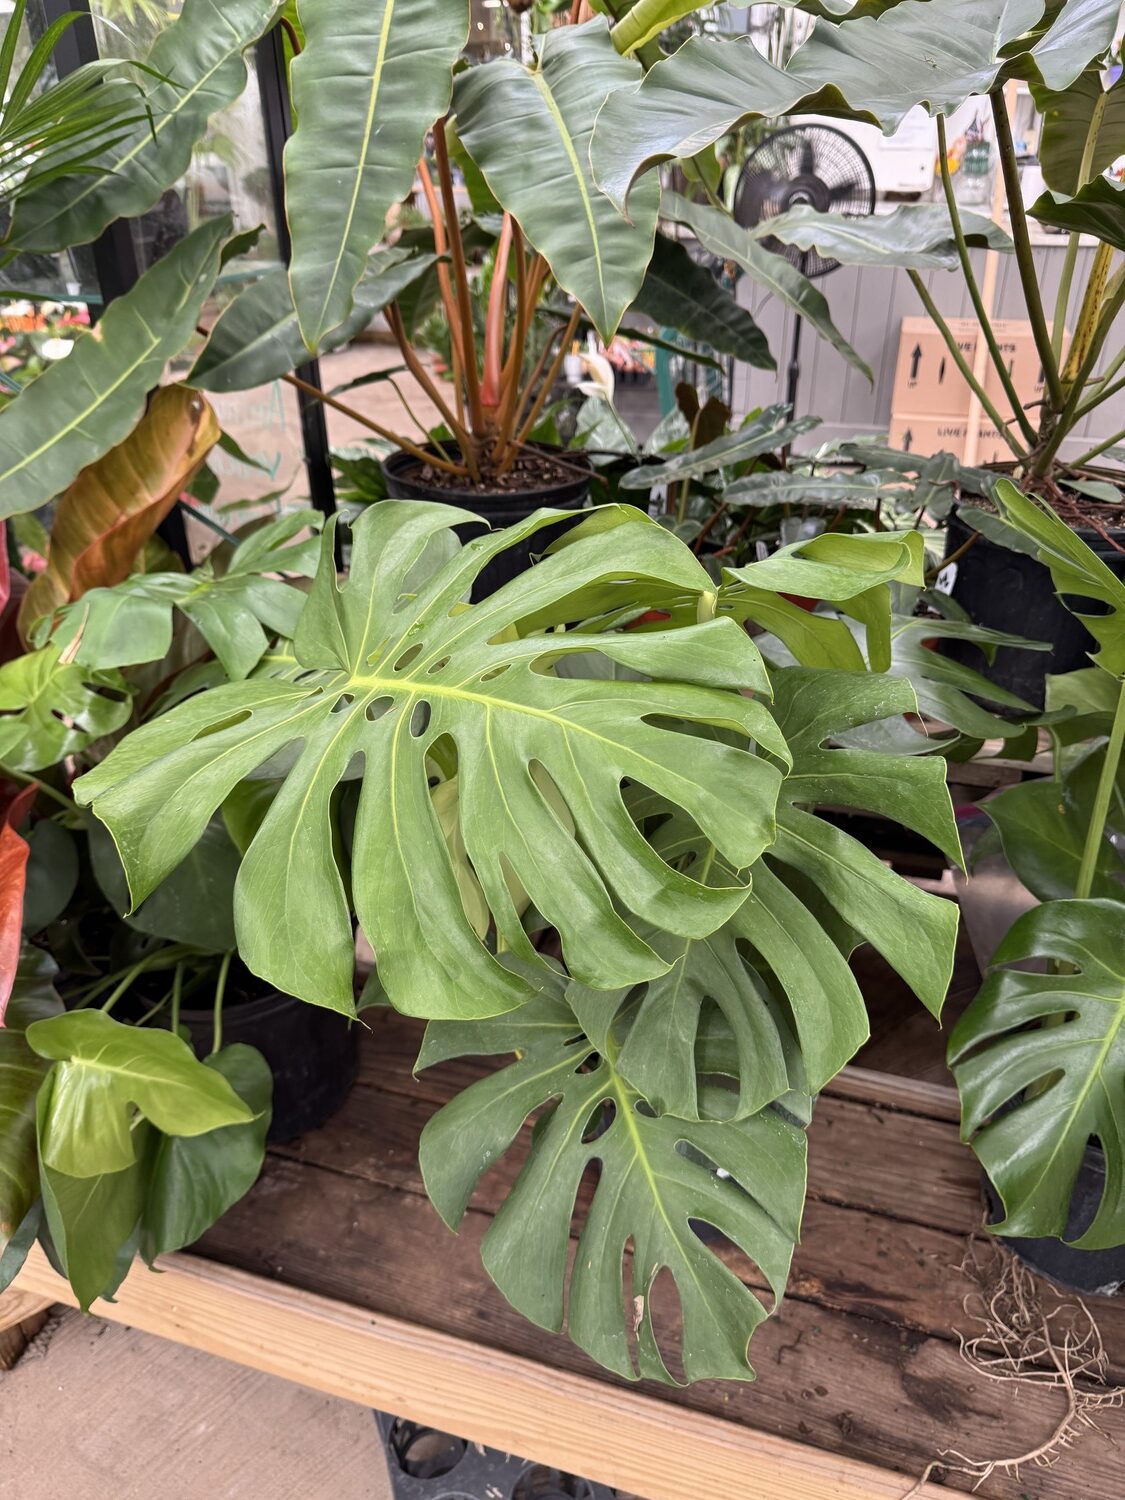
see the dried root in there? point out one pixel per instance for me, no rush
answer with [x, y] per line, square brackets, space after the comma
[1034, 1335]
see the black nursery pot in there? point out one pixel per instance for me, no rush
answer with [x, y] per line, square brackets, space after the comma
[312, 1052]
[1011, 591]
[1095, 1272]
[404, 475]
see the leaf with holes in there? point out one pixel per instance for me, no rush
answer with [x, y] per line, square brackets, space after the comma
[235, 611]
[657, 1182]
[397, 673]
[1040, 1063]
[51, 708]
[529, 129]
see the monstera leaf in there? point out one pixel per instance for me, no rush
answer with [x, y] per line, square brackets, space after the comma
[197, 69]
[51, 708]
[1075, 569]
[22, 1072]
[1032, 1095]
[657, 1182]
[398, 674]
[541, 173]
[372, 79]
[83, 406]
[233, 610]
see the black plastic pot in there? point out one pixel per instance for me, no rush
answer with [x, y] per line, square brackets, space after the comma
[1011, 591]
[312, 1052]
[1095, 1272]
[402, 472]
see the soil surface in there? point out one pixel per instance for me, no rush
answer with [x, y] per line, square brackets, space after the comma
[531, 471]
[1080, 512]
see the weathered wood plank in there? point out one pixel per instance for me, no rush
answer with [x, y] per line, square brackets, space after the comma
[844, 1383]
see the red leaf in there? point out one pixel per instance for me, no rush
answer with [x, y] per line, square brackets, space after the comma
[14, 850]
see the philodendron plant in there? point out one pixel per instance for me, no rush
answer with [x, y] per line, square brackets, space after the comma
[875, 62]
[1039, 1057]
[597, 748]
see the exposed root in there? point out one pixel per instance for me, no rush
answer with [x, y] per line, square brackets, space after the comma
[1034, 1335]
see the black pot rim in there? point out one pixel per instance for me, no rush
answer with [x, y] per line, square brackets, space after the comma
[256, 1009]
[1086, 534]
[396, 462]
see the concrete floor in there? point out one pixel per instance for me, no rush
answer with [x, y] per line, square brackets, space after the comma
[94, 1411]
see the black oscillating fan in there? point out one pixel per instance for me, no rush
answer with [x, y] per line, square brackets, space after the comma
[809, 164]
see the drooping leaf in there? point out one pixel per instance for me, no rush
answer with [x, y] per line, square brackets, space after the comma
[373, 78]
[1064, 1081]
[21, 1073]
[679, 293]
[771, 487]
[1075, 568]
[393, 670]
[199, 60]
[658, 1179]
[1068, 119]
[765, 433]
[86, 404]
[15, 803]
[103, 1070]
[51, 708]
[92, 1219]
[722, 236]
[917, 235]
[257, 338]
[1098, 208]
[107, 515]
[233, 610]
[192, 1181]
[873, 67]
[1082, 32]
[540, 171]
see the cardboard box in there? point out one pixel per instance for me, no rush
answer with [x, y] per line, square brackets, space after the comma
[928, 381]
[926, 435]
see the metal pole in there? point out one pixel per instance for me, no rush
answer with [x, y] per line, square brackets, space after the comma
[270, 54]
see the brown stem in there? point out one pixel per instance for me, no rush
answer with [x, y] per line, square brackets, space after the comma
[357, 416]
[421, 375]
[548, 381]
[461, 277]
[708, 526]
[291, 32]
[513, 366]
[445, 285]
[954, 556]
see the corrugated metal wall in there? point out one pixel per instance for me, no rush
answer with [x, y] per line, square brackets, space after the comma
[868, 305]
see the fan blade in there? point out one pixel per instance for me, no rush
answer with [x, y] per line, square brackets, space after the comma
[843, 190]
[808, 157]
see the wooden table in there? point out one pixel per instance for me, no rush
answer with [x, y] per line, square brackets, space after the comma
[337, 1273]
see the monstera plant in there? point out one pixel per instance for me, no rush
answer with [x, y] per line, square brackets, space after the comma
[597, 748]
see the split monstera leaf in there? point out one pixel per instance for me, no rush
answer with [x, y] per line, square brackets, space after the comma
[648, 792]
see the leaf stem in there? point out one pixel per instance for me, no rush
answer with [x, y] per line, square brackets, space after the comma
[1062, 302]
[1025, 256]
[974, 289]
[962, 364]
[177, 996]
[1096, 831]
[1109, 442]
[220, 991]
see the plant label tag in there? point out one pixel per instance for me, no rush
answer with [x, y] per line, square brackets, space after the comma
[945, 580]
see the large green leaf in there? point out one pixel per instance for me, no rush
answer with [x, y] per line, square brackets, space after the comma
[657, 1181]
[861, 490]
[917, 235]
[1043, 827]
[539, 169]
[719, 233]
[86, 404]
[233, 610]
[679, 293]
[373, 78]
[21, 1072]
[644, 20]
[1098, 208]
[103, 1070]
[257, 338]
[202, 70]
[1068, 119]
[1075, 568]
[1032, 1094]
[1082, 33]
[51, 708]
[766, 433]
[193, 1180]
[876, 68]
[395, 670]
